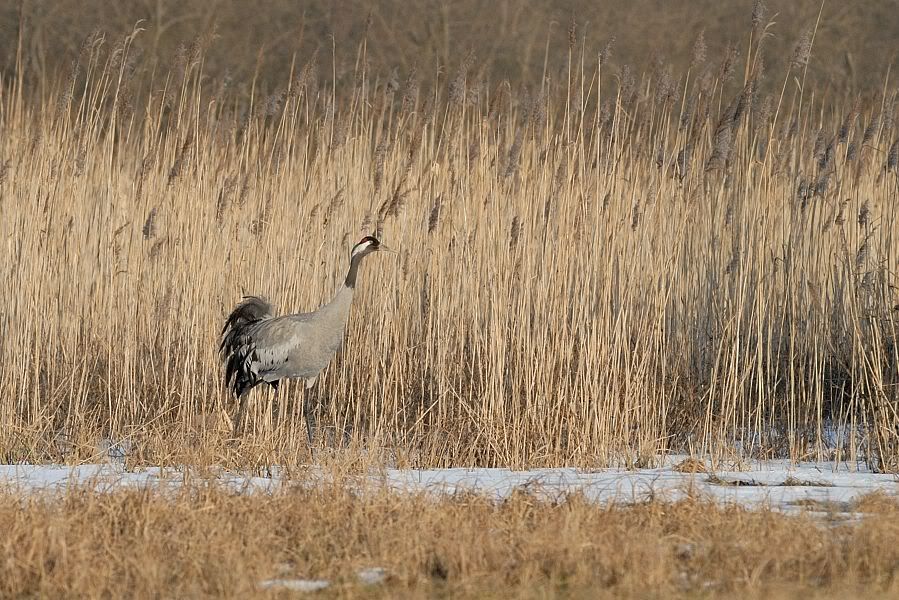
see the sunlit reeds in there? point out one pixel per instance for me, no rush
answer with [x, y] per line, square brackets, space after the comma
[600, 267]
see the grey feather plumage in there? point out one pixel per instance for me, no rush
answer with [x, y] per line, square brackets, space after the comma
[259, 347]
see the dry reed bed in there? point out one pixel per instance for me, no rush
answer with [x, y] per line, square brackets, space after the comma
[585, 275]
[207, 542]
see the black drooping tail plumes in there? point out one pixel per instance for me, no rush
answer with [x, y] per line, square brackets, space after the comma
[237, 346]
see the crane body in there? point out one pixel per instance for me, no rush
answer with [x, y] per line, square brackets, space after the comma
[259, 347]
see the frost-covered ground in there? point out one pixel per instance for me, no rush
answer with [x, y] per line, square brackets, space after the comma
[828, 487]
[824, 487]
[111, 476]
[367, 576]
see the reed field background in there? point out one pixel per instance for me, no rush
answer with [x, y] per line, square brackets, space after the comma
[600, 260]
[625, 231]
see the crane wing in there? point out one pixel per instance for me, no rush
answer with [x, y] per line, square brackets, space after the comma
[238, 341]
[250, 310]
[262, 350]
[274, 342]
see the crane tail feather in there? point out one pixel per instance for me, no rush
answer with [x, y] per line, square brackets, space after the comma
[237, 344]
[250, 310]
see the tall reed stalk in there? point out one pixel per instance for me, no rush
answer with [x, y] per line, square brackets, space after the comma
[597, 269]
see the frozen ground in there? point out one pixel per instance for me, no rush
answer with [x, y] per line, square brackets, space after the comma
[110, 476]
[367, 576]
[825, 487]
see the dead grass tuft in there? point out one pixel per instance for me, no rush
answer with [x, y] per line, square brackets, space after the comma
[206, 541]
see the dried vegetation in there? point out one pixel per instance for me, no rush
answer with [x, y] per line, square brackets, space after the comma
[596, 267]
[207, 542]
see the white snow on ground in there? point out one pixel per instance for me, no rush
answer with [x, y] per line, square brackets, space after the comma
[369, 576]
[108, 477]
[372, 575]
[296, 585]
[779, 484]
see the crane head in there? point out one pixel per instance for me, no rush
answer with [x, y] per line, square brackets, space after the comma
[367, 245]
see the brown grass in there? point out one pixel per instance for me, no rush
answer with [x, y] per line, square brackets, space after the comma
[204, 541]
[597, 266]
[584, 276]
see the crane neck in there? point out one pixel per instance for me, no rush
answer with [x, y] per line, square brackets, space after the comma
[350, 280]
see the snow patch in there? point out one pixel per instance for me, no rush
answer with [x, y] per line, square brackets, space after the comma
[296, 585]
[778, 484]
[372, 575]
[109, 477]
[826, 487]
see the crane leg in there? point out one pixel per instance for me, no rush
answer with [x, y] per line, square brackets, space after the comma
[276, 403]
[239, 417]
[307, 410]
[307, 416]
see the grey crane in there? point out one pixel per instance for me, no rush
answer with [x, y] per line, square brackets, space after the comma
[258, 346]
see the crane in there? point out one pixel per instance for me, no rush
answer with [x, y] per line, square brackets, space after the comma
[259, 347]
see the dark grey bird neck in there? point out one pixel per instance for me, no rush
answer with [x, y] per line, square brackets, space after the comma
[350, 280]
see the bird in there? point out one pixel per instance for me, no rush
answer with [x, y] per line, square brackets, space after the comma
[257, 346]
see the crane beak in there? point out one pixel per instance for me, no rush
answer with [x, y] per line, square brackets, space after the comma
[383, 248]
